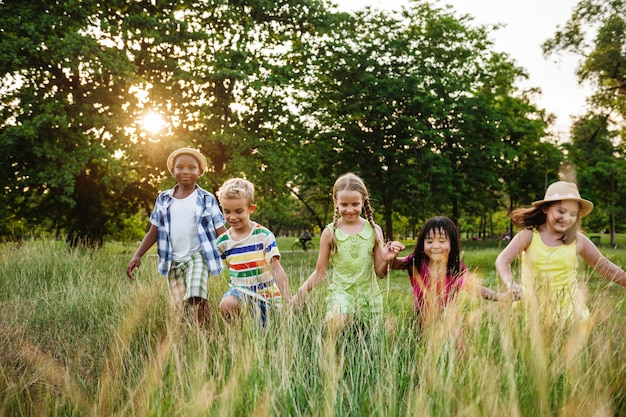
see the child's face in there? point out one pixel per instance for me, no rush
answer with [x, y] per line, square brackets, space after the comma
[350, 205]
[437, 246]
[237, 212]
[562, 215]
[186, 169]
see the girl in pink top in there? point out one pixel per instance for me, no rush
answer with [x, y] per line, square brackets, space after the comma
[435, 268]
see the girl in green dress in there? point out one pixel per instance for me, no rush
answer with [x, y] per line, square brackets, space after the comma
[354, 246]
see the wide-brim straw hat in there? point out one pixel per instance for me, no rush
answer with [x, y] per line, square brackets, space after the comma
[186, 151]
[562, 190]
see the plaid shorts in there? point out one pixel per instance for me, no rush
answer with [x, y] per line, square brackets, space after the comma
[188, 278]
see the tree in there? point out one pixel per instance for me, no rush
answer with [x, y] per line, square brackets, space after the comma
[596, 32]
[61, 117]
[413, 104]
[80, 75]
[600, 170]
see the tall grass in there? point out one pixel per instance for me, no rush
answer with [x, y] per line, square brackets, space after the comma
[77, 338]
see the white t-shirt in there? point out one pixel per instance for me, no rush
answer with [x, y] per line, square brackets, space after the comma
[183, 227]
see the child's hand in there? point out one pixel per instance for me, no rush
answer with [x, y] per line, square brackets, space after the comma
[516, 292]
[133, 265]
[510, 295]
[297, 300]
[392, 249]
[294, 302]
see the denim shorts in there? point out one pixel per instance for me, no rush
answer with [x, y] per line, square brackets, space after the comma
[259, 305]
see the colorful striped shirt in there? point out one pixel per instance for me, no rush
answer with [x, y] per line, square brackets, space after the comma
[249, 261]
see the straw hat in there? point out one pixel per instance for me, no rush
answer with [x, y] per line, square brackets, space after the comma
[562, 190]
[188, 151]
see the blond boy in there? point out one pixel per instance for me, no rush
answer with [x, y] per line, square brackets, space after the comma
[257, 278]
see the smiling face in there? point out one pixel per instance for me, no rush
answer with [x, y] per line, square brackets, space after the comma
[562, 215]
[437, 246]
[349, 204]
[237, 213]
[186, 170]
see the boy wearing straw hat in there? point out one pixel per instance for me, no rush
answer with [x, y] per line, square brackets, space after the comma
[549, 245]
[185, 224]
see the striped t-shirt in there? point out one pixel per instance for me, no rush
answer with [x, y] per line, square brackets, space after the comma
[249, 261]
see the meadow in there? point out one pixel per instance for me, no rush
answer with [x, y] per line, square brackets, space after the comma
[77, 338]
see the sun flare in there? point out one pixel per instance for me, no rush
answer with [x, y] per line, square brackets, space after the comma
[153, 122]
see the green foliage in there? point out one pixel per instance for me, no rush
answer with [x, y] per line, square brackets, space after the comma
[80, 76]
[132, 228]
[288, 94]
[419, 106]
[596, 32]
[600, 170]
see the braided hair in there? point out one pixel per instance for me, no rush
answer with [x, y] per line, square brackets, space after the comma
[351, 182]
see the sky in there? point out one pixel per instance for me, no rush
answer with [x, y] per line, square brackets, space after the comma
[527, 25]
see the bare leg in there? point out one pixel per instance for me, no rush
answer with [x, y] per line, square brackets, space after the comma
[229, 307]
[200, 311]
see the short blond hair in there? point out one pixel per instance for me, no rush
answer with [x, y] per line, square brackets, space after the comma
[237, 188]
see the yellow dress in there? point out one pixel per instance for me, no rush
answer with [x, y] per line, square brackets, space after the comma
[549, 280]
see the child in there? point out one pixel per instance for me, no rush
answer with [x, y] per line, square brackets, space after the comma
[251, 253]
[436, 271]
[549, 245]
[185, 224]
[354, 245]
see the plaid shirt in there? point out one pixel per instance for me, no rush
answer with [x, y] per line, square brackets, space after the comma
[208, 217]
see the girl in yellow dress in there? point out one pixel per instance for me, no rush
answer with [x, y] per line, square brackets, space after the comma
[549, 246]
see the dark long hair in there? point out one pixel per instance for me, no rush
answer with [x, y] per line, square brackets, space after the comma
[446, 227]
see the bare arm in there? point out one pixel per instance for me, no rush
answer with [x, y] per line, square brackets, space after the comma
[148, 240]
[318, 274]
[516, 246]
[488, 294]
[398, 263]
[281, 278]
[385, 255]
[491, 295]
[471, 285]
[590, 253]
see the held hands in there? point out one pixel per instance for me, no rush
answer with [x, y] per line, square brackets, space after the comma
[515, 291]
[298, 300]
[392, 249]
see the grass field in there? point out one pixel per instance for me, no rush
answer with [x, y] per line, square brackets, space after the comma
[78, 339]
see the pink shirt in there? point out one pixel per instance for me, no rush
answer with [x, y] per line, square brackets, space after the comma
[452, 284]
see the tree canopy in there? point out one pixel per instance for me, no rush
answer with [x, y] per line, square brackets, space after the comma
[290, 94]
[596, 33]
[421, 107]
